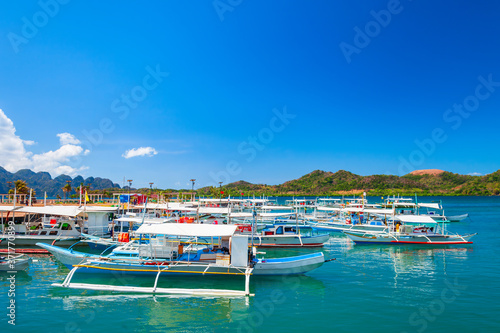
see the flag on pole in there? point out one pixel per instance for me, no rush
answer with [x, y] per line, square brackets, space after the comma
[86, 196]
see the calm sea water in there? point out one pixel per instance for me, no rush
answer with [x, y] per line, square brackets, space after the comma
[367, 289]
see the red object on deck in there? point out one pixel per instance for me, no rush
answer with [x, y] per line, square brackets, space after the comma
[32, 251]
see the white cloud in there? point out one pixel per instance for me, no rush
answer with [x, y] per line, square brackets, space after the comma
[475, 174]
[68, 139]
[16, 157]
[142, 151]
[54, 160]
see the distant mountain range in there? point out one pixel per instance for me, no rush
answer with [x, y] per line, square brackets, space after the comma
[322, 183]
[42, 182]
[316, 183]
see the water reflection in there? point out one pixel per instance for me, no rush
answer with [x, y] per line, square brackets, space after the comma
[406, 262]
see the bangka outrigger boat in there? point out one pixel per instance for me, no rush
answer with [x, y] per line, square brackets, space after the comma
[410, 229]
[165, 255]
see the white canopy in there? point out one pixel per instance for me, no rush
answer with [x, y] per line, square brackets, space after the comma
[94, 209]
[216, 200]
[433, 205]
[240, 215]
[276, 207]
[329, 209]
[213, 210]
[256, 200]
[268, 215]
[352, 209]
[415, 218]
[168, 206]
[9, 208]
[274, 214]
[188, 230]
[404, 204]
[71, 211]
[139, 220]
[377, 211]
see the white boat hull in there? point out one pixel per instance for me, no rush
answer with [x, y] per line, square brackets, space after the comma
[289, 266]
[290, 240]
[276, 266]
[22, 240]
[19, 263]
[399, 238]
[457, 218]
[349, 227]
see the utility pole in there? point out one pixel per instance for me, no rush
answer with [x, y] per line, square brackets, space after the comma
[192, 189]
[220, 193]
[129, 187]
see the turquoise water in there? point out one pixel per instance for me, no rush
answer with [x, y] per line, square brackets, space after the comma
[367, 289]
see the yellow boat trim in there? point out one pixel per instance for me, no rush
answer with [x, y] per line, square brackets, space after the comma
[149, 270]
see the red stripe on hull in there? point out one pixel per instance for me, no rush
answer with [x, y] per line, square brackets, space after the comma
[430, 243]
[289, 245]
[31, 251]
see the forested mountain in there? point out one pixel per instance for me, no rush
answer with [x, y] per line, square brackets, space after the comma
[346, 183]
[42, 182]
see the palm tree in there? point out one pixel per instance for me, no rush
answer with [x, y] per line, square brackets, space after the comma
[66, 189]
[21, 187]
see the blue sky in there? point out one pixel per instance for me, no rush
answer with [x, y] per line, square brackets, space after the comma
[261, 91]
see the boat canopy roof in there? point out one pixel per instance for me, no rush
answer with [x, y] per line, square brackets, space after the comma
[256, 200]
[9, 208]
[433, 205]
[378, 211]
[96, 209]
[329, 209]
[71, 211]
[353, 209]
[240, 214]
[215, 200]
[188, 230]
[274, 214]
[213, 210]
[415, 219]
[168, 206]
[404, 204]
[139, 220]
[276, 207]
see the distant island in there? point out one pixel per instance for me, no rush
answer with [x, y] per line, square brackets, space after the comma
[431, 182]
[42, 182]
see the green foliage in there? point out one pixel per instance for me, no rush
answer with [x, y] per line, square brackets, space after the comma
[321, 183]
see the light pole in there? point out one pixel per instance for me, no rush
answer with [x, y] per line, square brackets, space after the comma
[9, 185]
[151, 189]
[129, 187]
[220, 192]
[192, 189]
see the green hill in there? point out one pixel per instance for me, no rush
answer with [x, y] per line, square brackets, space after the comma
[323, 183]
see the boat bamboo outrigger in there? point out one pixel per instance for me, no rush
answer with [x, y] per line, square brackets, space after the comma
[411, 229]
[166, 255]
